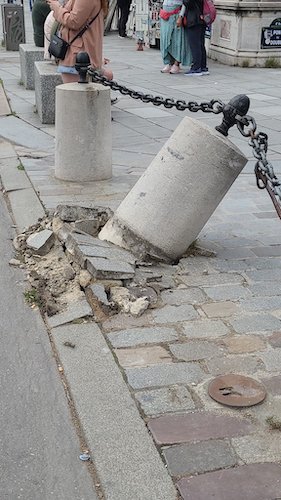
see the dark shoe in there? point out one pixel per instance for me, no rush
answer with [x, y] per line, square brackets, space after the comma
[205, 71]
[194, 72]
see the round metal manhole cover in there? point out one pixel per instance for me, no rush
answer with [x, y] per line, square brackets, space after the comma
[236, 390]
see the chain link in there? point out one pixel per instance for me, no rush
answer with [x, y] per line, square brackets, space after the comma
[265, 176]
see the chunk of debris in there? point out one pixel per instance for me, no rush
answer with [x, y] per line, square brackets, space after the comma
[85, 278]
[15, 262]
[75, 311]
[89, 226]
[41, 242]
[105, 268]
[96, 293]
[72, 213]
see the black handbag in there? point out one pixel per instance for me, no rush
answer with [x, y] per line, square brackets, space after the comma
[58, 47]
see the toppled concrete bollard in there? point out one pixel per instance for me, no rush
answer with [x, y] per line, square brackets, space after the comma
[169, 205]
[42, 242]
[83, 133]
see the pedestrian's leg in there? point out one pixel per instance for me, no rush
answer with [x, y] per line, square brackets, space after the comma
[69, 78]
[203, 49]
[193, 36]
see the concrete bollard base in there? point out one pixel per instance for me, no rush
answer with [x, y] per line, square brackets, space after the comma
[83, 133]
[171, 202]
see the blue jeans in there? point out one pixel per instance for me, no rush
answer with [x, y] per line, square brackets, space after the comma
[196, 39]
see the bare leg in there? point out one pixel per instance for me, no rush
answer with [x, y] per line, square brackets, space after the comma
[69, 78]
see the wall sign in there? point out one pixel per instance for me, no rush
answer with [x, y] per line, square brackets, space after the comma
[271, 36]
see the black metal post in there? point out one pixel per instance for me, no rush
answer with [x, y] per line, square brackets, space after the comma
[238, 105]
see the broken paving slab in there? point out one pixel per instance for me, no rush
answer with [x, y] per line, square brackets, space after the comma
[72, 213]
[109, 269]
[75, 311]
[41, 242]
[82, 252]
[96, 293]
[74, 239]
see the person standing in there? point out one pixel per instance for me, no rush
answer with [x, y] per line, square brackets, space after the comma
[73, 16]
[173, 37]
[40, 11]
[123, 14]
[195, 29]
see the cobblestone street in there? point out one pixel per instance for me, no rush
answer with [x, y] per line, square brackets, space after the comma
[218, 309]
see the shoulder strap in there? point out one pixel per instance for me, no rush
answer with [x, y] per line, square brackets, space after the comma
[84, 29]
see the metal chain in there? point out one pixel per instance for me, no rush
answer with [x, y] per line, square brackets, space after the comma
[265, 176]
[214, 106]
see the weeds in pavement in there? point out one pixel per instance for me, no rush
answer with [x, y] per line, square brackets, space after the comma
[245, 63]
[20, 166]
[272, 62]
[32, 298]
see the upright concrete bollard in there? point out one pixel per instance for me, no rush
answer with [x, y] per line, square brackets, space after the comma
[83, 132]
[169, 205]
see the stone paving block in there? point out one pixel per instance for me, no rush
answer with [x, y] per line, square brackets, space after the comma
[75, 239]
[275, 339]
[26, 207]
[190, 295]
[261, 303]
[162, 375]
[142, 356]
[220, 309]
[194, 350]
[234, 253]
[265, 288]
[197, 264]
[139, 336]
[41, 242]
[11, 177]
[242, 344]
[111, 253]
[255, 323]
[173, 314]
[227, 292]
[212, 279]
[168, 399]
[247, 482]
[263, 275]
[195, 458]
[259, 447]
[109, 269]
[234, 364]
[124, 321]
[273, 385]
[75, 311]
[205, 328]
[271, 359]
[197, 426]
[270, 251]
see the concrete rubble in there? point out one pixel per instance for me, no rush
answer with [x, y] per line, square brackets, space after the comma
[78, 277]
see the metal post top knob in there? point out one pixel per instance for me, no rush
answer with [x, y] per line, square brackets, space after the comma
[238, 105]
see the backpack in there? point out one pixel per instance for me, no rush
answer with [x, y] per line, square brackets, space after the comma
[209, 12]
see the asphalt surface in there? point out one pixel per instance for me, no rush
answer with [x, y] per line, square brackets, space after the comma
[39, 457]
